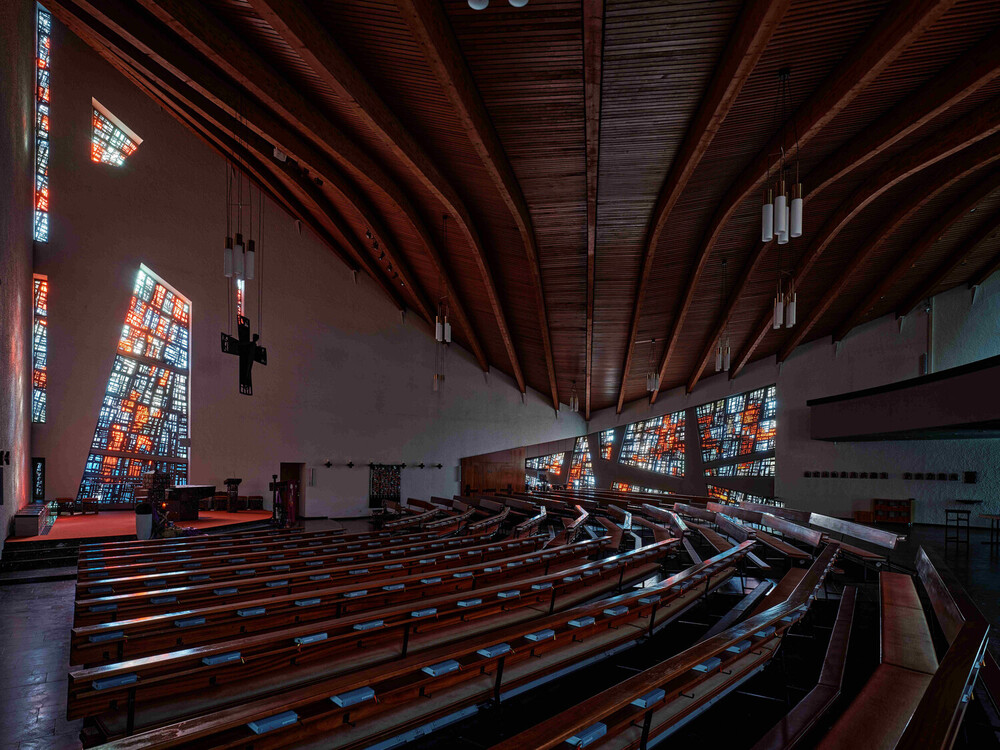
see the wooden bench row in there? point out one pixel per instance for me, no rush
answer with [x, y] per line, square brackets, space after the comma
[648, 705]
[117, 639]
[325, 643]
[376, 703]
[186, 593]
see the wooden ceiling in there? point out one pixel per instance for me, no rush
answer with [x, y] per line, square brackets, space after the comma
[572, 176]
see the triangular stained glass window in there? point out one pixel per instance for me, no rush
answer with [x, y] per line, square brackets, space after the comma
[112, 142]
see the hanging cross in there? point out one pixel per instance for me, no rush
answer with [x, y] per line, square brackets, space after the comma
[247, 350]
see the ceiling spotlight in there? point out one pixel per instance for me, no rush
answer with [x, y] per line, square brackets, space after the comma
[478, 4]
[518, 3]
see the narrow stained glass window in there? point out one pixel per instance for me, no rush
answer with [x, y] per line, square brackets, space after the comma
[143, 422]
[607, 443]
[656, 445]
[39, 347]
[626, 487]
[43, 42]
[112, 142]
[581, 473]
[739, 425]
[534, 466]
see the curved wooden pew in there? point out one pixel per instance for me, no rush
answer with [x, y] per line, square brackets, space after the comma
[652, 703]
[277, 583]
[313, 647]
[571, 529]
[421, 688]
[531, 525]
[116, 640]
[242, 568]
[259, 553]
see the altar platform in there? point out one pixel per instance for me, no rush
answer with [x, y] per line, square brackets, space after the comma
[121, 524]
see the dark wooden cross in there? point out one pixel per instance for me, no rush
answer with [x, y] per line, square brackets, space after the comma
[247, 350]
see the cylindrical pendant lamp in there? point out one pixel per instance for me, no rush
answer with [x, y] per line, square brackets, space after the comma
[767, 219]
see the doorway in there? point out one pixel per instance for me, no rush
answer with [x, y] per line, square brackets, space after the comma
[295, 472]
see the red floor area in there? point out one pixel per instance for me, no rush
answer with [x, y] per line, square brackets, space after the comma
[122, 523]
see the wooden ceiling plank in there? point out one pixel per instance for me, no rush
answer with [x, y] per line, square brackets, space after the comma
[135, 64]
[961, 166]
[940, 225]
[593, 58]
[949, 264]
[986, 271]
[966, 75]
[306, 34]
[260, 170]
[150, 42]
[433, 33]
[980, 125]
[896, 29]
[757, 22]
[224, 49]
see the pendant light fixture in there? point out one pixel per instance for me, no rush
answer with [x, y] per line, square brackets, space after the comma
[574, 400]
[722, 350]
[652, 376]
[781, 212]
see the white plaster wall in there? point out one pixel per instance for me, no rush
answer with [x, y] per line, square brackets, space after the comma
[345, 380]
[17, 112]
[874, 354]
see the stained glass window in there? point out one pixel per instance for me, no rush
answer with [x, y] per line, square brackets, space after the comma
[111, 142]
[581, 473]
[626, 487]
[43, 42]
[532, 482]
[552, 462]
[656, 444]
[39, 347]
[607, 443]
[763, 467]
[143, 421]
[732, 497]
[240, 291]
[739, 425]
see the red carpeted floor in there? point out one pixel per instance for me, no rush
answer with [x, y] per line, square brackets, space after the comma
[122, 523]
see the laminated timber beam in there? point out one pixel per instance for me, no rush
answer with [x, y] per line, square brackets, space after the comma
[963, 165]
[756, 24]
[932, 234]
[225, 50]
[984, 124]
[902, 23]
[965, 76]
[433, 33]
[220, 136]
[593, 59]
[949, 264]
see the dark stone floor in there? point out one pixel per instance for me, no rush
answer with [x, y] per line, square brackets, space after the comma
[35, 620]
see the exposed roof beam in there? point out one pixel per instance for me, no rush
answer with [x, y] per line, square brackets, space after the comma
[753, 30]
[433, 33]
[960, 135]
[966, 75]
[593, 59]
[949, 264]
[960, 167]
[957, 210]
[896, 29]
[199, 28]
[156, 82]
[986, 271]
[306, 34]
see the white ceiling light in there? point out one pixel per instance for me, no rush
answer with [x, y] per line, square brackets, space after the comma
[478, 4]
[518, 3]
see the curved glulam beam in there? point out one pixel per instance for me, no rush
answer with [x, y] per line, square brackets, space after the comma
[218, 128]
[949, 264]
[896, 29]
[960, 135]
[224, 49]
[305, 34]
[986, 271]
[959, 168]
[753, 30]
[433, 34]
[593, 56]
[928, 237]
[966, 75]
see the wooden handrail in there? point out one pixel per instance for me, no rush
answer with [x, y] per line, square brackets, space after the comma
[556, 730]
[887, 539]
